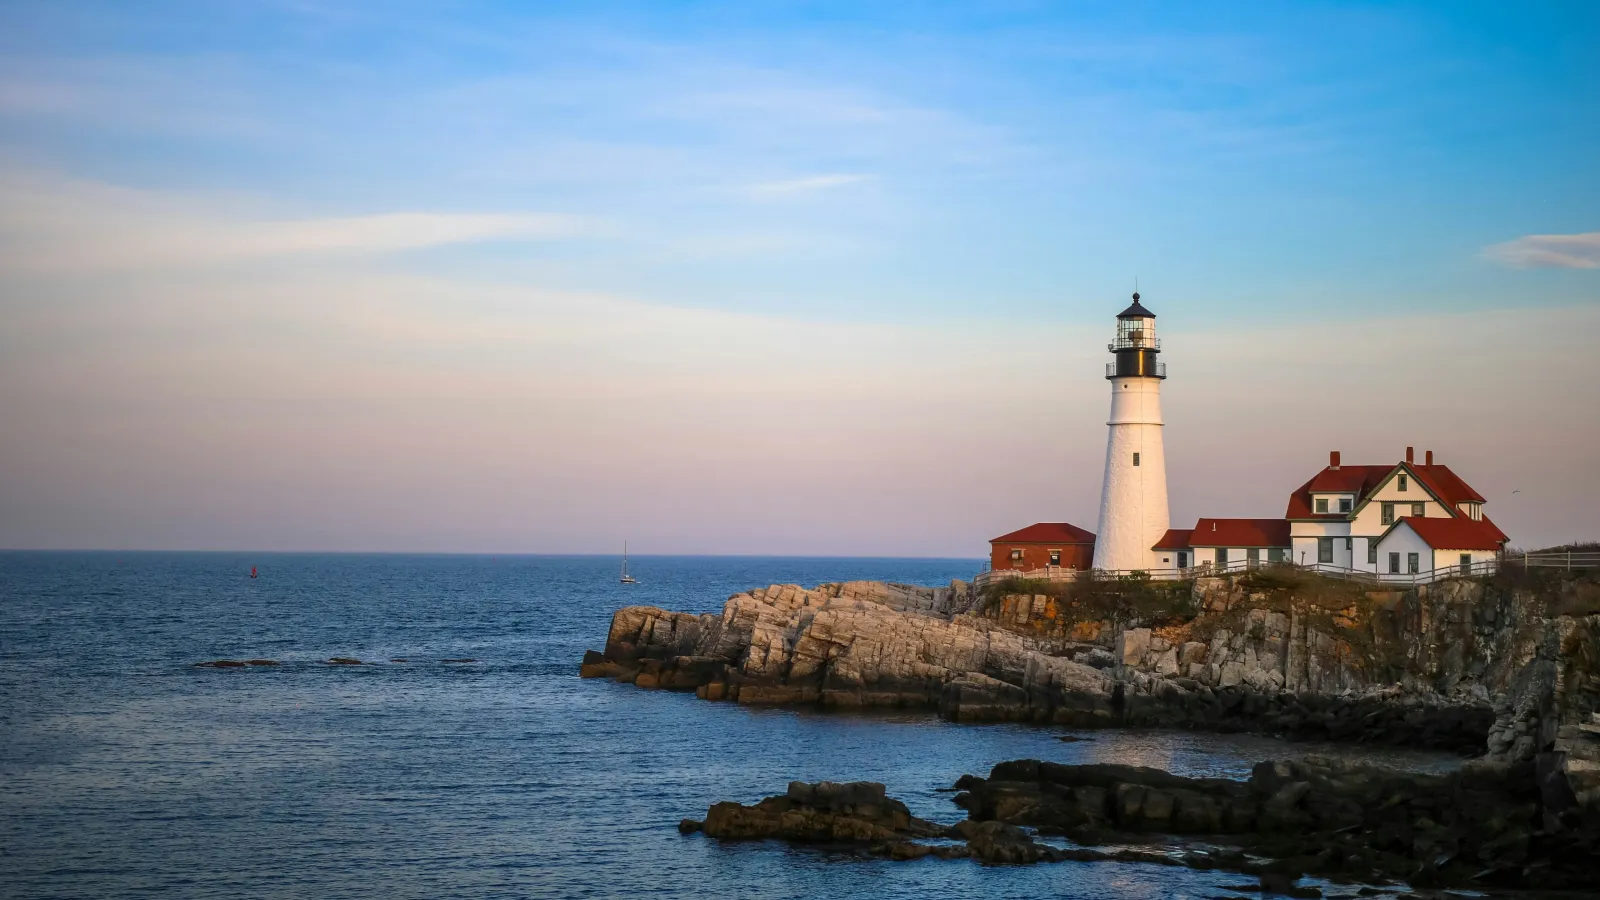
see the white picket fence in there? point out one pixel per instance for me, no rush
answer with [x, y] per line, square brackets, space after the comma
[1556, 560]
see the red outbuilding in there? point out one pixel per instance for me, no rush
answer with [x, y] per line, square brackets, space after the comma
[1043, 545]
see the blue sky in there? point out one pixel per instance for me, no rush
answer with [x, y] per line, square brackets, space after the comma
[394, 190]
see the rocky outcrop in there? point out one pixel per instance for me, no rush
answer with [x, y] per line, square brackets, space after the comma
[827, 812]
[1482, 826]
[1466, 665]
[859, 815]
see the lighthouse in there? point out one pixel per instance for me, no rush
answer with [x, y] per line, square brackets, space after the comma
[1133, 501]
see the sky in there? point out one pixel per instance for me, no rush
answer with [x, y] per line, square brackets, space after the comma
[777, 278]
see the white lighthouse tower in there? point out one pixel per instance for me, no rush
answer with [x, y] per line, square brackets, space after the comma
[1133, 503]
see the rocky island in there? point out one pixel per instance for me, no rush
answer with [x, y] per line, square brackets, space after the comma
[1506, 669]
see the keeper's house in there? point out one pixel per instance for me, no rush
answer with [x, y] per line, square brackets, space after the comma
[1394, 519]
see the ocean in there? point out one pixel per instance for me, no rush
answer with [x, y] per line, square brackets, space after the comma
[125, 771]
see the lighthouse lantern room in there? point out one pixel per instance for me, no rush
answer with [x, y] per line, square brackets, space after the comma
[1133, 501]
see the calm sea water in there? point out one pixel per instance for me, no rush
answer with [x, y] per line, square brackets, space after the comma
[127, 772]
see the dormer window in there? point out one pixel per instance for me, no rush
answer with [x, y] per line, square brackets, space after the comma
[1322, 505]
[1344, 504]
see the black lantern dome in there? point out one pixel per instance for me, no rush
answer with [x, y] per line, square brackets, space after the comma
[1136, 311]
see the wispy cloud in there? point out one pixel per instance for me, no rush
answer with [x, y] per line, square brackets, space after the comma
[810, 184]
[1549, 251]
[49, 224]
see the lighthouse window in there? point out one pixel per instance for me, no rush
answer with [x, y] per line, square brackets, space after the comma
[1136, 459]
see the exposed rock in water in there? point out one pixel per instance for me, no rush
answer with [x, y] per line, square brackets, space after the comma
[261, 662]
[343, 661]
[221, 664]
[821, 813]
[463, 660]
[1483, 827]
[860, 815]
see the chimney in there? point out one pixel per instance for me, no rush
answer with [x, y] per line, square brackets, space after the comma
[1333, 459]
[1411, 455]
[1427, 458]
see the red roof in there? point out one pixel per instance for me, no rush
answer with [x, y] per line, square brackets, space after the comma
[1358, 480]
[1047, 533]
[1363, 480]
[1447, 484]
[1174, 539]
[1457, 534]
[1240, 533]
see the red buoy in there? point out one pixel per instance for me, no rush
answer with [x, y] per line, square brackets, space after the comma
[252, 571]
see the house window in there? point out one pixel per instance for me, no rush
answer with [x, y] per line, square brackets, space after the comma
[1252, 556]
[1136, 459]
[1387, 518]
[1055, 557]
[1322, 504]
[1275, 555]
[1402, 483]
[1419, 509]
[1324, 550]
[1412, 563]
[1344, 504]
[1372, 551]
[1016, 554]
[1222, 556]
[1183, 559]
[1394, 564]
[1466, 563]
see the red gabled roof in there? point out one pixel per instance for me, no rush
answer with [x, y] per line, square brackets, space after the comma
[1457, 534]
[1358, 480]
[1174, 539]
[1047, 533]
[1447, 484]
[1363, 480]
[1240, 533]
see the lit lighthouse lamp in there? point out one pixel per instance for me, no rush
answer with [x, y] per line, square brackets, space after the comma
[1133, 501]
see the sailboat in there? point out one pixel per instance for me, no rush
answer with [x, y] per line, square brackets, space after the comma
[626, 578]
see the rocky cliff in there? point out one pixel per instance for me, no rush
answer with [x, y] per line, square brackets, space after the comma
[1504, 667]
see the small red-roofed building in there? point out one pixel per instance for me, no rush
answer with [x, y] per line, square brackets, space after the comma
[1043, 545]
